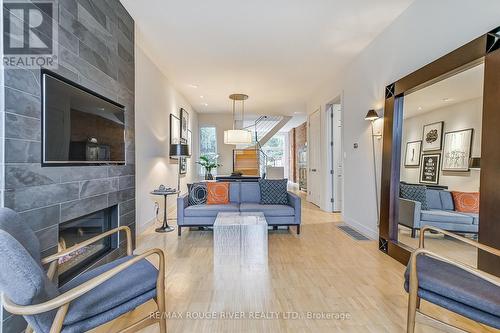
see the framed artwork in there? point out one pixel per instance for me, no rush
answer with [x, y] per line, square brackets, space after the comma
[182, 165]
[190, 139]
[412, 156]
[433, 136]
[429, 170]
[175, 127]
[457, 150]
[184, 124]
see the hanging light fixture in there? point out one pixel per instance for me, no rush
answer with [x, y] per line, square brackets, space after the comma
[238, 136]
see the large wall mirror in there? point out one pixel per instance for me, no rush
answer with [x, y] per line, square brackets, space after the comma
[441, 162]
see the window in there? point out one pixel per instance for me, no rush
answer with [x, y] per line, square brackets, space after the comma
[208, 141]
[275, 150]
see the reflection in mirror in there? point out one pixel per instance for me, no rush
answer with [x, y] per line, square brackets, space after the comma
[440, 162]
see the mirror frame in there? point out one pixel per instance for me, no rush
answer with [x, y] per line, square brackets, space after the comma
[485, 48]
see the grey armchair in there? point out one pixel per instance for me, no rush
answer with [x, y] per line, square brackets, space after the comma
[88, 301]
[454, 286]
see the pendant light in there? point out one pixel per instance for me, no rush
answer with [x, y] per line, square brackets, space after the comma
[238, 136]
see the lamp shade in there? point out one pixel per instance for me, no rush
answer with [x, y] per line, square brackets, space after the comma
[475, 163]
[237, 137]
[179, 150]
[371, 115]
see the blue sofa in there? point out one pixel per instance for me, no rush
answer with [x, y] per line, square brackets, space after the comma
[243, 197]
[440, 213]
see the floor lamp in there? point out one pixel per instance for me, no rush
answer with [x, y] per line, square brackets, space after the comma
[372, 116]
[178, 150]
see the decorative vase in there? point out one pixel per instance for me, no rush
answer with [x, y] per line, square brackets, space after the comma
[208, 176]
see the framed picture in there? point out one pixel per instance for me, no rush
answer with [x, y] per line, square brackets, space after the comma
[433, 136]
[457, 150]
[189, 139]
[175, 127]
[429, 170]
[184, 124]
[412, 156]
[182, 165]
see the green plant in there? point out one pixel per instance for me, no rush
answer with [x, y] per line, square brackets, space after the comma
[209, 162]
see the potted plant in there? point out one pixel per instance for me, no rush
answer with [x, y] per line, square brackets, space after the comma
[209, 163]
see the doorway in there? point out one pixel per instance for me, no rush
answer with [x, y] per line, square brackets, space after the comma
[314, 179]
[335, 153]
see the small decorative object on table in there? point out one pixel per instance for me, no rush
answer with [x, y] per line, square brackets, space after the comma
[165, 191]
[209, 163]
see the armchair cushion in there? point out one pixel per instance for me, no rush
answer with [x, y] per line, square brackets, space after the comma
[268, 210]
[445, 216]
[210, 210]
[136, 281]
[273, 191]
[457, 290]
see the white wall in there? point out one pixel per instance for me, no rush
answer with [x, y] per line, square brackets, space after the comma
[155, 99]
[427, 30]
[456, 117]
[222, 122]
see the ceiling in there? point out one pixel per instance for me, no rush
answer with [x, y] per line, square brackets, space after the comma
[276, 51]
[461, 87]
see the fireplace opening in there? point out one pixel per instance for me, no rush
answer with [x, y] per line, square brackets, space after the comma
[79, 230]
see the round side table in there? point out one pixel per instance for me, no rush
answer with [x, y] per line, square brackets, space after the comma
[165, 227]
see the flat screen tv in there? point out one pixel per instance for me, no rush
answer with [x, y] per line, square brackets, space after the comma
[80, 127]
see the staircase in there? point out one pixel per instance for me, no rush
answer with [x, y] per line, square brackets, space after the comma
[264, 128]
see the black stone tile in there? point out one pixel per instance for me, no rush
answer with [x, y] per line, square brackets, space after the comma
[73, 209]
[65, 72]
[94, 11]
[22, 175]
[127, 182]
[23, 79]
[40, 196]
[48, 238]
[125, 55]
[121, 170]
[68, 40]
[70, 6]
[49, 252]
[79, 173]
[20, 151]
[22, 103]
[42, 218]
[128, 218]
[21, 127]
[127, 206]
[14, 324]
[104, 61]
[91, 188]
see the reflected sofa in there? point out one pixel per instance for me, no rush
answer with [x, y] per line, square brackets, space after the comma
[440, 212]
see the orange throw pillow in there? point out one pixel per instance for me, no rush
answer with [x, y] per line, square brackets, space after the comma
[466, 202]
[217, 193]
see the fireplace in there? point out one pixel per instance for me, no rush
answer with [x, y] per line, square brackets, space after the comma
[79, 230]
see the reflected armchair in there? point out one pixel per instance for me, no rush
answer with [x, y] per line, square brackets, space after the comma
[455, 286]
[88, 301]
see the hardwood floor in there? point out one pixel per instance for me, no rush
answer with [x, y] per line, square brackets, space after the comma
[322, 272]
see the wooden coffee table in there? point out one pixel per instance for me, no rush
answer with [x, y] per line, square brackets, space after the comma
[240, 239]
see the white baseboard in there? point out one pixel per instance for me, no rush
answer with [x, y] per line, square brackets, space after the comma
[370, 233]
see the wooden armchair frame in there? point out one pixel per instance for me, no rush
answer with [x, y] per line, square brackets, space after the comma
[62, 301]
[414, 300]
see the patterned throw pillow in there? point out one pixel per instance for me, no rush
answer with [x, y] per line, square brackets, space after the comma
[273, 191]
[218, 193]
[413, 192]
[197, 194]
[466, 202]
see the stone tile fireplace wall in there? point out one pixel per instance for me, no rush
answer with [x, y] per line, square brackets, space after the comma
[96, 50]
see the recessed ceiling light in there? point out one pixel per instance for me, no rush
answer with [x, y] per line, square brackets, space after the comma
[420, 108]
[205, 104]
[201, 96]
[193, 86]
[447, 99]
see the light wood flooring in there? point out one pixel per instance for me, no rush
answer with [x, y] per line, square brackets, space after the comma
[322, 271]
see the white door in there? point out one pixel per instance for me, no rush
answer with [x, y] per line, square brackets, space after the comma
[313, 183]
[337, 157]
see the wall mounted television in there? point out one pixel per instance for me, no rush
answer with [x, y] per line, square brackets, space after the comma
[79, 126]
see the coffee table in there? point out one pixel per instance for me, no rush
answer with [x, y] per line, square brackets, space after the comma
[240, 239]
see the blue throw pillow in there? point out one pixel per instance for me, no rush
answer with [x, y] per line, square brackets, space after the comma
[273, 191]
[197, 194]
[415, 193]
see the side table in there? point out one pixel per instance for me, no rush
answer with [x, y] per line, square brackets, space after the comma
[165, 227]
